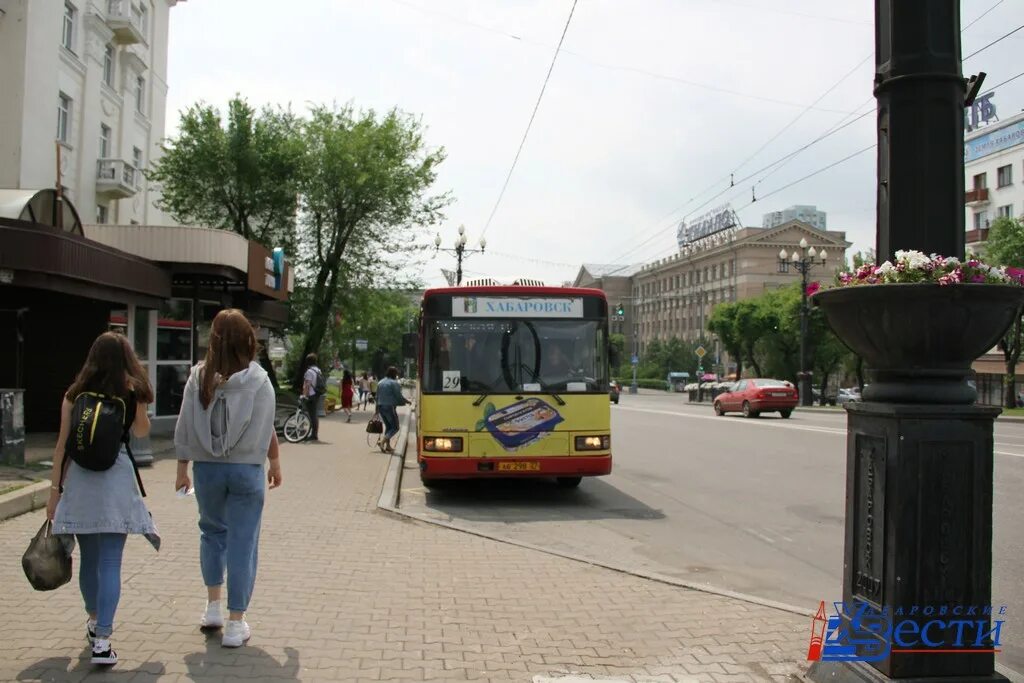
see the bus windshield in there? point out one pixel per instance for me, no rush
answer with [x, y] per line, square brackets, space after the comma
[514, 356]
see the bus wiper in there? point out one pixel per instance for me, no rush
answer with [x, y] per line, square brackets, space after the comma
[546, 390]
[480, 399]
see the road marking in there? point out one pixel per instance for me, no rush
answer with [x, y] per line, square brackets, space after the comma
[777, 425]
[761, 536]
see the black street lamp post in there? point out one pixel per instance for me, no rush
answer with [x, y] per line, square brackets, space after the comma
[460, 251]
[804, 259]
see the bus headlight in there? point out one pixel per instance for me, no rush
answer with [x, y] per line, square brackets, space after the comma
[442, 444]
[593, 443]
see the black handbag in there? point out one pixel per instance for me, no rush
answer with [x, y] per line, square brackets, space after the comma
[375, 425]
[46, 562]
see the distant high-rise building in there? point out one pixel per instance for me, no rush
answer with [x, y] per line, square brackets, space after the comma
[799, 212]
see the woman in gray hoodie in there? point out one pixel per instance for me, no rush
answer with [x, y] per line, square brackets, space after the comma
[226, 429]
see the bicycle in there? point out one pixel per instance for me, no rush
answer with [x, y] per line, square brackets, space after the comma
[297, 427]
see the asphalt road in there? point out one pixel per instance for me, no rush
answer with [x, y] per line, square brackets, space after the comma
[752, 506]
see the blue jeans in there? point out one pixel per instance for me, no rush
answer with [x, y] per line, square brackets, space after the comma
[99, 577]
[230, 498]
[389, 414]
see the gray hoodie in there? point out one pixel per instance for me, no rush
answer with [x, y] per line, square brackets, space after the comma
[238, 424]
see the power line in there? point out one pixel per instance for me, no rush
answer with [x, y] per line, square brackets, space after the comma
[1001, 38]
[1008, 80]
[981, 16]
[526, 133]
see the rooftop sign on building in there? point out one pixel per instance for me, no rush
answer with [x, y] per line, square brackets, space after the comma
[710, 223]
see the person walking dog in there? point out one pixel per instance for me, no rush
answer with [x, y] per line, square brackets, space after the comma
[226, 430]
[95, 489]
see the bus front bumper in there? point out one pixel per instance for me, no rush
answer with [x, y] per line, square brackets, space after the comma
[432, 467]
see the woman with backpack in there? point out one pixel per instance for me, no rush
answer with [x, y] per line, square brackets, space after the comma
[226, 429]
[95, 493]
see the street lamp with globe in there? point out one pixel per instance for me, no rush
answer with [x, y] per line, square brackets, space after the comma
[804, 259]
[460, 251]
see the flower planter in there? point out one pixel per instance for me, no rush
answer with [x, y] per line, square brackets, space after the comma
[919, 340]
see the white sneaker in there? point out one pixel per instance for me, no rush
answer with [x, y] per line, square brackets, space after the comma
[90, 630]
[102, 653]
[212, 618]
[235, 633]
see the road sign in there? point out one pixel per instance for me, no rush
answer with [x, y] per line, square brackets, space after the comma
[361, 345]
[700, 351]
[635, 360]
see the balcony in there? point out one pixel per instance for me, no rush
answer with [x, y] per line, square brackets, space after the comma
[976, 197]
[976, 236]
[125, 20]
[116, 178]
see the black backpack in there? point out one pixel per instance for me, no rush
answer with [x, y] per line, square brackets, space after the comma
[320, 385]
[100, 425]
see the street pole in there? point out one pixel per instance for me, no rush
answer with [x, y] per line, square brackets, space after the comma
[460, 251]
[804, 259]
[458, 269]
[806, 392]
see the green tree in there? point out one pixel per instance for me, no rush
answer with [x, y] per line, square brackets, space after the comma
[241, 175]
[723, 323]
[617, 344]
[752, 324]
[365, 191]
[862, 257]
[1005, 247]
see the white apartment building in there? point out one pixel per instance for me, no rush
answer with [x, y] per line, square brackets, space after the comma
[798, 212]
[89, 77]
[994, 169]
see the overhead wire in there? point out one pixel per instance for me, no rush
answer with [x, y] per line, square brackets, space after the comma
[997, 40]
[981, 16]
[533, 115]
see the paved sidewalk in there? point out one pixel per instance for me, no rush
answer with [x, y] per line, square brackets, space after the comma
[349, 593]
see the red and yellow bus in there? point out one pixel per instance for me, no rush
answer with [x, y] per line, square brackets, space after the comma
[513, 382]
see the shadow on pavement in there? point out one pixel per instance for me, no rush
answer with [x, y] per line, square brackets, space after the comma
[218, 663]
[55, 669]
[534, 500]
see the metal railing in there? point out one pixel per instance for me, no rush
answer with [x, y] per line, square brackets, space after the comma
[117, 171]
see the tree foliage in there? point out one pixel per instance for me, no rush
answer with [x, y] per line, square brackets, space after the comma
[1005, 247]
[365, 190]
[240, 175]
[723, 322]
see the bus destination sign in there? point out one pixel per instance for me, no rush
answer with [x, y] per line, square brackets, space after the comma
[515, 307]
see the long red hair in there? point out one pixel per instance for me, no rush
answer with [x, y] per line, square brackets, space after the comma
[232, 347]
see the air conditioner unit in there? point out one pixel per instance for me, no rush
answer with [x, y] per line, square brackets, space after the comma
[527, 282]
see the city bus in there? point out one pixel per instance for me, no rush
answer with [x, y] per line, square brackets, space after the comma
[513, 382]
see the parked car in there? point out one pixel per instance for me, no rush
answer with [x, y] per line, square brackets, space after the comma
[614, 389]
[851, 395]
[755, 396]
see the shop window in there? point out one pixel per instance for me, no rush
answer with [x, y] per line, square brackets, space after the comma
[173, 354]
[118, 321]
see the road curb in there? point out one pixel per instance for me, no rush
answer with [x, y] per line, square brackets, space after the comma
[25, 499]
[388, 499]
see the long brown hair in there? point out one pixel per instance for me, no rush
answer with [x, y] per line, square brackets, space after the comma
[232, 347]
[112, 368]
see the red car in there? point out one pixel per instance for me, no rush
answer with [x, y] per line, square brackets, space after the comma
[755, 396]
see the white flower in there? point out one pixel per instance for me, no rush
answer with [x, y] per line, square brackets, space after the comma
[885, 268]
[952, 261]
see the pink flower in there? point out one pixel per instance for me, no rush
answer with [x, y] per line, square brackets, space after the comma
[974, 263]
[813, 288]
[977, 278]
[1015, 274]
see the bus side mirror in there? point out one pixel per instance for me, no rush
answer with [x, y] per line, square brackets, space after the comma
[410, 342]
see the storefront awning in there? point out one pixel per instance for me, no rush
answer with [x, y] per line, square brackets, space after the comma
[40, 207]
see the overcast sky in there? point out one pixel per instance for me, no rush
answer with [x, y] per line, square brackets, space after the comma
[651, 106]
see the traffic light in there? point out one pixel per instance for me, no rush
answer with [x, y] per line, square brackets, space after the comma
[620, 310]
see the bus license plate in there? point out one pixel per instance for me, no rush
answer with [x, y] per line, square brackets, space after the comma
[518, 466]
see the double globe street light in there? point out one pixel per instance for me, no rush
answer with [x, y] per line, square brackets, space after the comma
[460, 251]
[804, 259]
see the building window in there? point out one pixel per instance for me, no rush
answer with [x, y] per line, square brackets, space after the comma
[101, 214]
[67, 33]
[140, 95]
[173, 354]
[144, 21]
[1005, 211]
[108, 65]
[1004, 176]
[104, 141]
[137, 158]
[63, 117]
[980, 181]
[981, 220]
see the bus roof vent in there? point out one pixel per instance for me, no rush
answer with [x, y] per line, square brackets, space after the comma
[528, 282]
[481, 282]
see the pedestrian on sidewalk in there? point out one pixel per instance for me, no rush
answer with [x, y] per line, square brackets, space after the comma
[373, 388]
[226, 429]
[347, 392]
[99, 508]
[312, 378]
[389, 397]
[364, 390]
